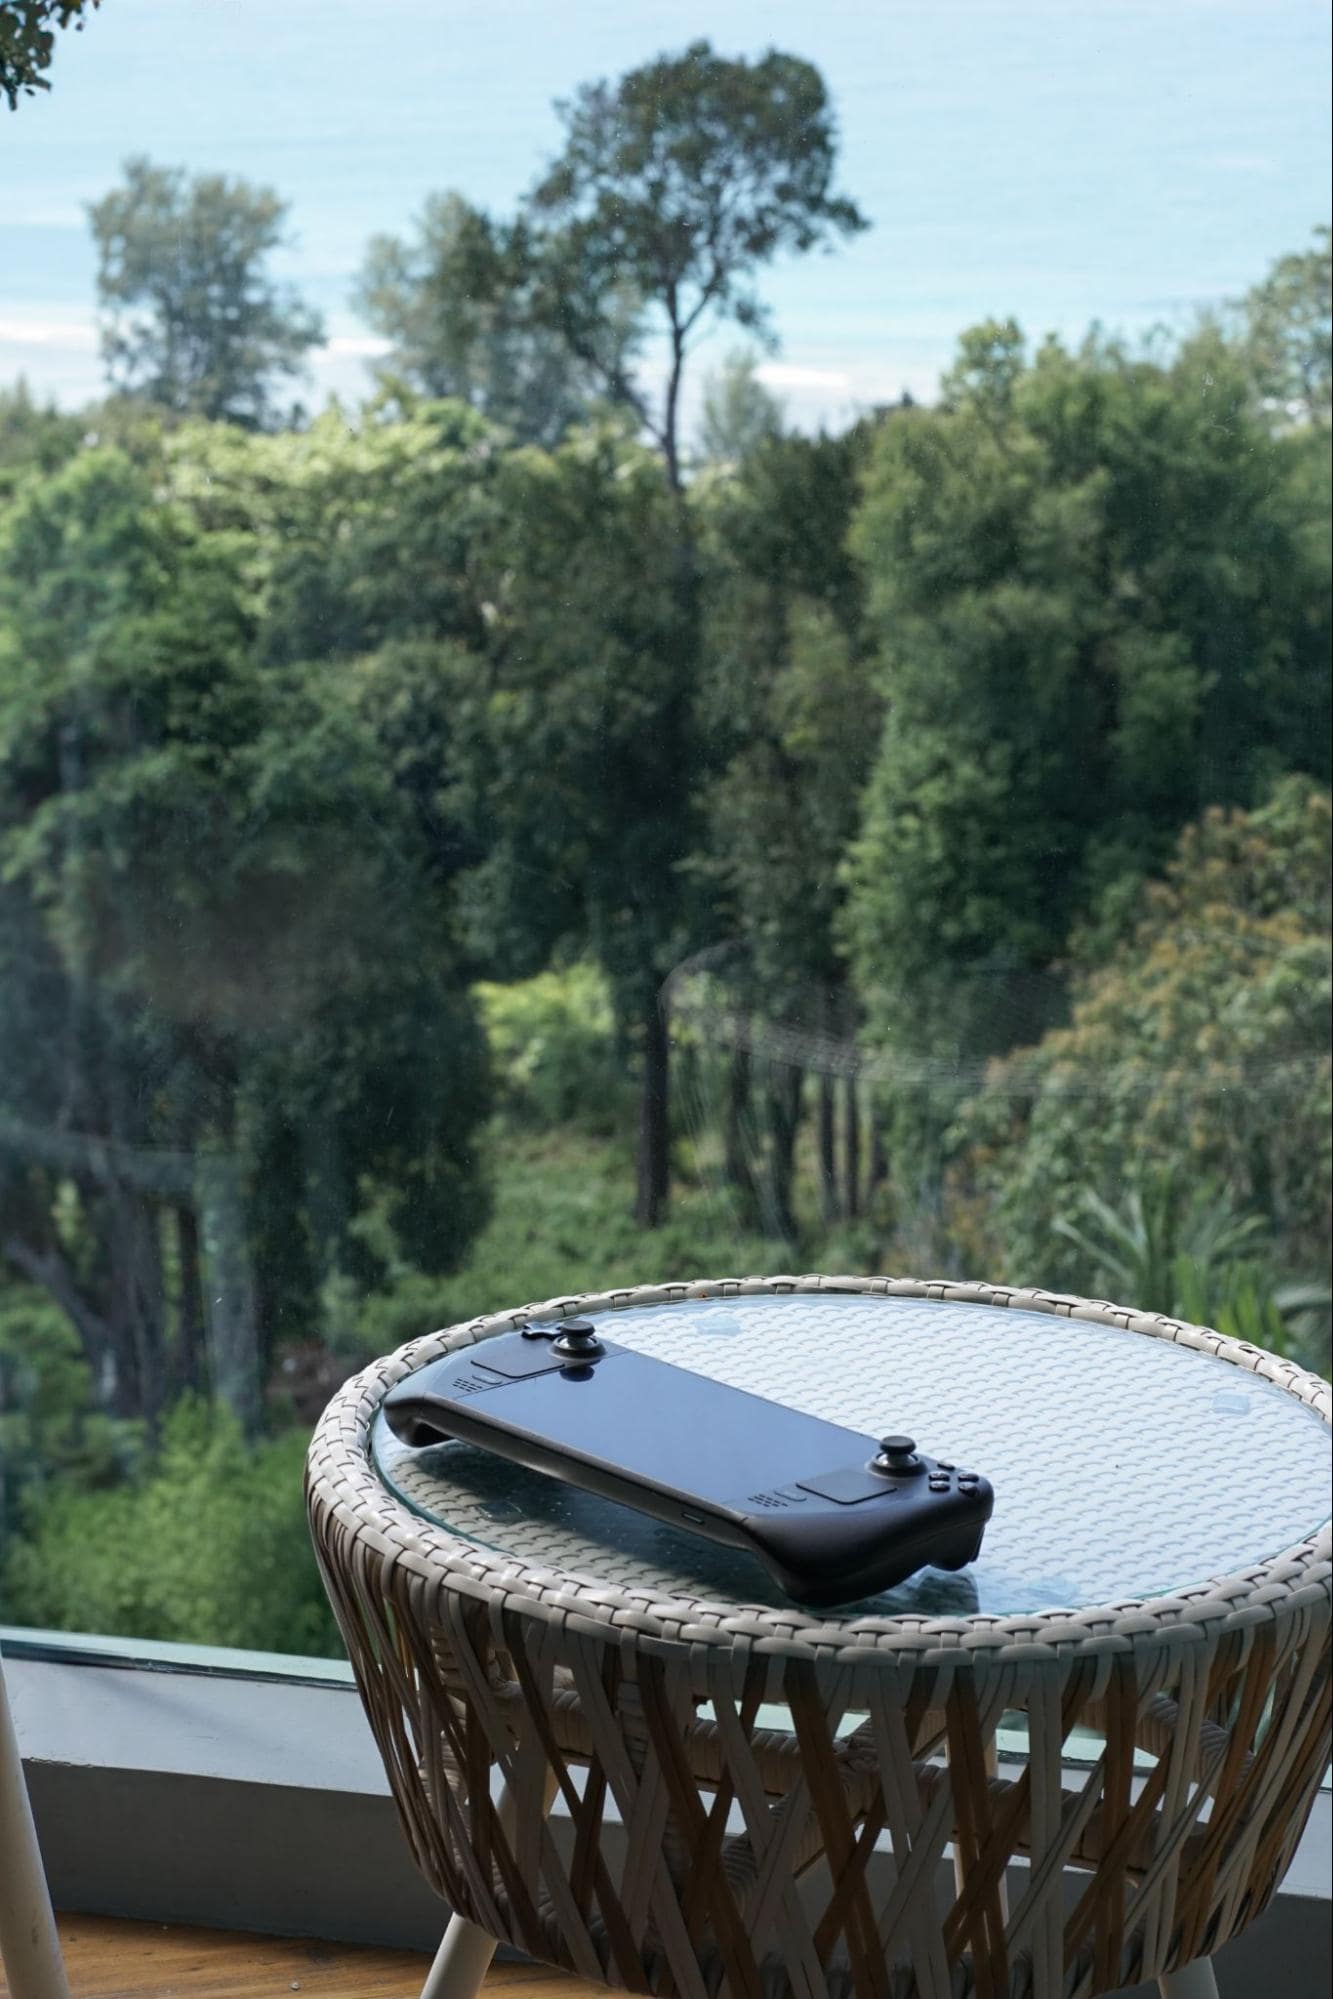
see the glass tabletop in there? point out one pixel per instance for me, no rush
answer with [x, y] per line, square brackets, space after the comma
[1123, 1466]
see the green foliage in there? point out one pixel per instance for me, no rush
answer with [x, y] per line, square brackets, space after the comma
[210, 1546]
[1161, 1240]
[353, 534]
[576, 748]
[51, 1432]
[553, 1050]
[193, 321]
[27, 41]
[309, 739]
[229, 881]
[560, 1224]
[33, 438]
[739, 413]
[1098, 614]
[1288, 321]
[676, 184]
[456, 300]
[789, 701]
[1197, 1052]
[1190, 1255]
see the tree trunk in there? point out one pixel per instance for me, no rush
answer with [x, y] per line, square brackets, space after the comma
[852, 1151]
[190, 1351]
[827, 1136]
[653, 1165]
[784, 1113]
[879, 1158]
[735, 1141]
[828, 1157]
[229, 1299]
[138, 1301]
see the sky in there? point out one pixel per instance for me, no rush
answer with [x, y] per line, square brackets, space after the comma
[1130, 162]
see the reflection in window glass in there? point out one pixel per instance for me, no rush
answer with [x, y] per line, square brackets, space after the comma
[658, 657]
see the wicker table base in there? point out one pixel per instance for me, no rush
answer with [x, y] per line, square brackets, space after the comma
[758, 1801]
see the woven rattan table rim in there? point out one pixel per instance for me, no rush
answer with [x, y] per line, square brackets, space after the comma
[341, 1476]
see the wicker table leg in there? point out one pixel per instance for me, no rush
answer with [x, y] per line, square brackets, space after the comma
[1192, 1981]
[29, 1950]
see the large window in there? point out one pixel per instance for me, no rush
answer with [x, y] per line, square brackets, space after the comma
[635, 643]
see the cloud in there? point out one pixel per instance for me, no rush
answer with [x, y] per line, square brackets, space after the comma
[357, 347]
[66, 336]
[789, 375]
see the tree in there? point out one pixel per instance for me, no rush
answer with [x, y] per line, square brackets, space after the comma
[1100, 609]
[1197, 1054]
[233, 996]
[32, 436]
[676, 185]
[27, 41]
[193, 321]
[673, 188]
[455, 299]
[1288, 335]
[789, 702]
[578, 762]
[739, 413]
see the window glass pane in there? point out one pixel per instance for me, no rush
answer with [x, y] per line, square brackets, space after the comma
[634, 648]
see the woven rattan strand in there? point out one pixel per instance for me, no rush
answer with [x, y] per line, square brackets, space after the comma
[754, 1859]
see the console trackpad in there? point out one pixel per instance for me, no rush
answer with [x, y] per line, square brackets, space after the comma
[850, 1485]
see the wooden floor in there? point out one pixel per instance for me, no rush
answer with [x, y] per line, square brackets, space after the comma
[107, 1959]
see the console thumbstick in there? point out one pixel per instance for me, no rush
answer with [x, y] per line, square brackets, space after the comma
[577, 1340]
[898, 1455]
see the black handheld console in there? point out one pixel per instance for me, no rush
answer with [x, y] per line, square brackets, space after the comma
[832, 1514]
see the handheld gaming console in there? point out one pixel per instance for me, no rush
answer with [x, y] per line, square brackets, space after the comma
[832, 1514]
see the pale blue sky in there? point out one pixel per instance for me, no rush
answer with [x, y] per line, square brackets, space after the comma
[1062, 160]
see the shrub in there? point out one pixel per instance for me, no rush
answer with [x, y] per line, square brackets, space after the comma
[1197, 1049]
[208, 1547]
[553, 1048]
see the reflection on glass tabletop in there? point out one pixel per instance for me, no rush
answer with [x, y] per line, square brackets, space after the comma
[1123, 1466]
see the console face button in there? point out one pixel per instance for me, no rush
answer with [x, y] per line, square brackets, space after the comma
[849, 1485]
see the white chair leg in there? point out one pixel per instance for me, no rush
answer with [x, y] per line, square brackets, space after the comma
[29, 1947]
[1192, 1981]
[461, 1962]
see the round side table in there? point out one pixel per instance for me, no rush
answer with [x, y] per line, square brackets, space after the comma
[756, 1800]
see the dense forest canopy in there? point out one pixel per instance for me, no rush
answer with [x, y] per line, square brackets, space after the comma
[484, 841]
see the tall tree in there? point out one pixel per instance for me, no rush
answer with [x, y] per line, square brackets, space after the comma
[28, 41]
[455, 300]
[677, 184]
[193, 319]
